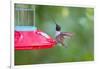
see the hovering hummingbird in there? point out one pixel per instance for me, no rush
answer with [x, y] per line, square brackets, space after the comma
[60, 36]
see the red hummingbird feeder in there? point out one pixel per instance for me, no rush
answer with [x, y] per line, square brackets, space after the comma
[29, 38]
[33, 40]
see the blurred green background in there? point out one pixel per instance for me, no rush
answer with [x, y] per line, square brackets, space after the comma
[78, 20]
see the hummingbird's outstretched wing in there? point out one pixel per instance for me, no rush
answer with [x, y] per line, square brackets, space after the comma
[68, 34]
[60, 38]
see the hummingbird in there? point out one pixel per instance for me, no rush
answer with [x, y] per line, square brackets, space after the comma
[60, 36]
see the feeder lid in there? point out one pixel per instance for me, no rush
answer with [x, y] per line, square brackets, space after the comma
[32, 40]
[25, 28]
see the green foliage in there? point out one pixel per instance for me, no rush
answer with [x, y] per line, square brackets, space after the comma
[78, 20]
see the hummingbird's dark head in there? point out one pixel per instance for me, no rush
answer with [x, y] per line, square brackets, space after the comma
[58, 28]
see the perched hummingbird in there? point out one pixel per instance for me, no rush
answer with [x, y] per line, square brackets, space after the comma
[60, 36]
